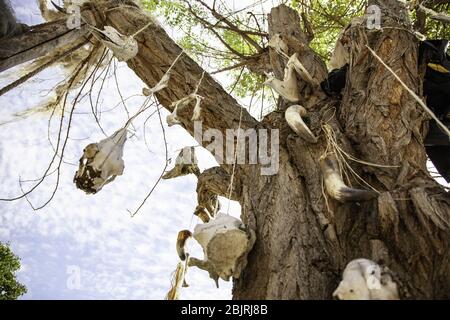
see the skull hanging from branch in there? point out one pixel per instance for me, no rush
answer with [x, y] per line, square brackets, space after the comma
[101, 163]
[185, 163]
[364, 279]
[123, 47]
[225, 245]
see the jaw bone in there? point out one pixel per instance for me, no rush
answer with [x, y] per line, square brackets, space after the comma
[288, 87]
[183, 236]
[294, 119]
[336, 188]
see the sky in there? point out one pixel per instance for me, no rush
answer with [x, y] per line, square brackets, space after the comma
[87, 246]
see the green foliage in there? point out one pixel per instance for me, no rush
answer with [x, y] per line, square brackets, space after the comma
[10, 289]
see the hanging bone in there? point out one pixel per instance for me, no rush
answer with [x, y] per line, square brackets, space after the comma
[294, 119]
[225, 245]
[182, 238]
[363, 279]
[185, 163]
[288, 87]
[336, 188]
[123, 47]
[101, 163]
[341, 53]
[301, 70]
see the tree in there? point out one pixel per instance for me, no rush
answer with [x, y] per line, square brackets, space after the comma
[304, 237]
[10, 288]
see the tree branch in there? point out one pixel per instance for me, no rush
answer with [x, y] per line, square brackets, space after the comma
[232, 27]
[439, 16]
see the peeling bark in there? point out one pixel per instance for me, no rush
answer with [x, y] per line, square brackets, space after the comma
[304, 238]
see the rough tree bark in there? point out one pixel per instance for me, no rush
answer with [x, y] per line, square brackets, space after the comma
[304, 238]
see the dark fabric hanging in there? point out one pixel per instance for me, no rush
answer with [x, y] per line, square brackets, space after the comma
[335, 82]
[436, 89]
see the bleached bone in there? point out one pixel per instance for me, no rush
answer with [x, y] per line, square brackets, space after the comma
[185, 163]
[172, 119]
[336, 188]
[123, 47]
[225, 246]
[301, 70]
[277, 43]
[162, 84]
[182, 238]
[101, 163]
[294, 119]
[364, 279]
[288, 87]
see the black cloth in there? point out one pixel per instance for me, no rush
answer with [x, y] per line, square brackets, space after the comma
[436, 89]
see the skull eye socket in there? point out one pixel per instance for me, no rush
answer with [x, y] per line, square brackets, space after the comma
[351, 291]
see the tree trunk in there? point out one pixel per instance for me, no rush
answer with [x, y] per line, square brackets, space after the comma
[305, 238]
